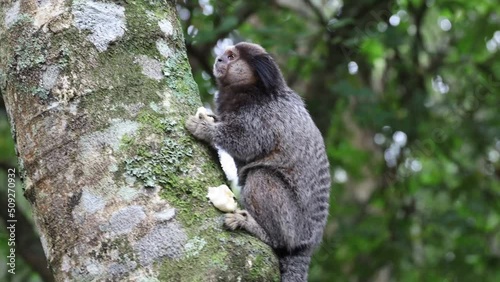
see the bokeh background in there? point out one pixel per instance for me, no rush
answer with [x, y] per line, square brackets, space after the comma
[406, 94]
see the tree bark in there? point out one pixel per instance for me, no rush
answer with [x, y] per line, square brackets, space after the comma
[97, 94]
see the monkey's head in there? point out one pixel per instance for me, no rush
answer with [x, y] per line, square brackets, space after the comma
[247, 64]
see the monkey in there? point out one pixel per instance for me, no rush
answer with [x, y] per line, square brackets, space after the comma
[282, 165]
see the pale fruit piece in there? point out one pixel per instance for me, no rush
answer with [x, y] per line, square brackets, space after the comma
[222, 198]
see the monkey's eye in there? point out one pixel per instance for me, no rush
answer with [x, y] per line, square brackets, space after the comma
[230, 56]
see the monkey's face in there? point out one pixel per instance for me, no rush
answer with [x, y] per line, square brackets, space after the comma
[231, 69]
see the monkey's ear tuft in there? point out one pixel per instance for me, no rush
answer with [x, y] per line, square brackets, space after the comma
[267, 71]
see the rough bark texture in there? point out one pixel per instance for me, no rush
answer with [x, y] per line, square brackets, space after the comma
[97, 94]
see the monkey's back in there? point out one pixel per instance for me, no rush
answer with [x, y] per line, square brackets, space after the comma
[298, 158]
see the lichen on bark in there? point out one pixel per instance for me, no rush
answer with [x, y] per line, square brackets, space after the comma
[116, 184]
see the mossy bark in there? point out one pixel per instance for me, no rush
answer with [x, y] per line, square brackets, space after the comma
[97, 94]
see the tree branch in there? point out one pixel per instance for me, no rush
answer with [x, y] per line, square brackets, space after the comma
[321, 18]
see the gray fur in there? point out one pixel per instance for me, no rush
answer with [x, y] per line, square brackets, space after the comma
[282, 164]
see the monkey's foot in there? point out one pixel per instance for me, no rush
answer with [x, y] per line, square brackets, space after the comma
[241, 219]
[236, 220]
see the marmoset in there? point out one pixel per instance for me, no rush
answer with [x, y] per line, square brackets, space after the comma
[279, 152]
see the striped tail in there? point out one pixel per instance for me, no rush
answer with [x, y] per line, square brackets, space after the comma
[294, 268]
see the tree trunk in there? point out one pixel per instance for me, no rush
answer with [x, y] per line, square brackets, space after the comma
[97, 94]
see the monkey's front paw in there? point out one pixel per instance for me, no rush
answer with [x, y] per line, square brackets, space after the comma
[192, 124]
[200, 126]
[236, 220]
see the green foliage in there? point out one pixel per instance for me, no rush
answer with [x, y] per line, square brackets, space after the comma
[6, 142]
[406, 95]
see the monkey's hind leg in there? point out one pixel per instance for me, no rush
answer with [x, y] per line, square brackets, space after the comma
[271, 211]
[241, 219]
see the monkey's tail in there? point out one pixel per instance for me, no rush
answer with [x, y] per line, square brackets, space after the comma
[294, 268]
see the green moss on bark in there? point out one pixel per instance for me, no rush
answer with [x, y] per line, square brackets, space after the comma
[173, 161]
[27, 55]
[110, 85]
[180, 167]
[224, 257]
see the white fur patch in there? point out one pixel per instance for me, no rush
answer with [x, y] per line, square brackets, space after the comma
[229, 167]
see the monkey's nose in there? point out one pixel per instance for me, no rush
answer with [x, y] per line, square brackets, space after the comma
[219, 60]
